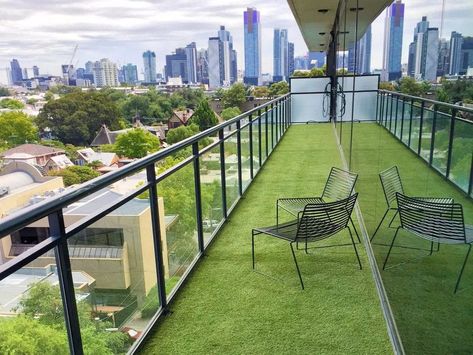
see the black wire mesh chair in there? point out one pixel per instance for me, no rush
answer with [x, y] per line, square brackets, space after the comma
[339, 185]
[434, 221]
[316, 222]
[392, 184]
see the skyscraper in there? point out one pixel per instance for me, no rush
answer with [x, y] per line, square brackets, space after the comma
[149, 63]
[444, 57]
[363, 61]
[424, 52]
[105, 73]
[456, 42]
[202, 66]
[252, 34]
[467, 55]
[280, 54]
[290, 59]
[35, 71]
[415, 51]
[316, 59]
[176, 65]
[392, 53]
[130, 73]
[222, 60]
[16, 72]
[191, 62]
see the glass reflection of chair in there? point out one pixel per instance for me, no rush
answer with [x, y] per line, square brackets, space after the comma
[392, 184]
[339, 185]
[441, 223]
[316, 222]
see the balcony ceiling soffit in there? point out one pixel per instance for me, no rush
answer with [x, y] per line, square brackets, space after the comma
[315, 23]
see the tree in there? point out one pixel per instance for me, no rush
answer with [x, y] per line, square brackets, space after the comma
[300, 74]
[410, 86]
[17, 128]
[260, 91]
[204, 117]
[12, 104]
[280, 88]
[316, 72]
[73, 175]
[180, 133]
[230, 112]
[76, 117]
[387, 85]
[234, 96]
[136, 143]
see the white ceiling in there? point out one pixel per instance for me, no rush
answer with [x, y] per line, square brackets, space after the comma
[315, 25]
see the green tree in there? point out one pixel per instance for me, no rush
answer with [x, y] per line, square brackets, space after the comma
[136, 143]
[260, 91]
[410, 86]
[203, 116]
[17, 128]
[230, 112]
[387, 85]
[76, 117]
[279, 88]
[73, 175]
[234, 96]
[300, 74]
[316, 72]
[12, 104]
[180, 133]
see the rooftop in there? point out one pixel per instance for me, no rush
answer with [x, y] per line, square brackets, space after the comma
[30, 150]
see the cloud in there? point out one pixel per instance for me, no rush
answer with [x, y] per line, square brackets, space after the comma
[45, 32]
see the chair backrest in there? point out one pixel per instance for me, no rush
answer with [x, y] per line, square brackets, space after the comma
[321, 220]
[442, 222]
[391, 182]
[339, 185]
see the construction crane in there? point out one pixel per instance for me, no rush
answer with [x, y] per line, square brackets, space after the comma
[67, 74]
[442, 18]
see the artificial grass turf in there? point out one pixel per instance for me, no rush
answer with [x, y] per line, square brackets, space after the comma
[228, 308]
[429, 317]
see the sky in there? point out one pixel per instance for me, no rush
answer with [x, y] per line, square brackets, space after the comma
[45, 32]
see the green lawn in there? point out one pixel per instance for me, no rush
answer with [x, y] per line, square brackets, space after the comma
[228, 308]
[430, 318]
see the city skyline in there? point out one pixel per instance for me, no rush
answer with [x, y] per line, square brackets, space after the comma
[50, 44]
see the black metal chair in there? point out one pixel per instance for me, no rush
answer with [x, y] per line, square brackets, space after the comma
[339, 185]
[392, 184]
[316, 222]
[434, 221]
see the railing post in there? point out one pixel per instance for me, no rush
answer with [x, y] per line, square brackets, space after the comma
[250, 130]
[402, 118]
[240, 179]
[266, 131]
[432, 139]
[198, 197]
[421, 126]
[156, 230]
[260, 160]
[222, 173]
[410, 123]
[66, 283]
[450, 142]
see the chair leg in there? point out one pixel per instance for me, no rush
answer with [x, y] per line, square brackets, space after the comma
[354, 247]
[297, 266]
[390, 248]
[379, 225]
[253, 248]
[431, 247]
[306, 246]
[392, 219]
[356, 232]
[463, 268]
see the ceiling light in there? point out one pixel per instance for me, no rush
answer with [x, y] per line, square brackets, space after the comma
[353, 9]
[323, 11]
[322, 33]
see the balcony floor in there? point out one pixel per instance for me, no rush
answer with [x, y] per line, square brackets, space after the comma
[228, 308]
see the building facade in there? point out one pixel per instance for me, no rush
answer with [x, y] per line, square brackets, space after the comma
[191, 63]
[149, 64]
[130, 73]
[280, 55]
[105, 73]
[456, 42]
[15, 72]
[252, 35]
[392, 54]
[290, 59]
[363, 54]
[176, 65]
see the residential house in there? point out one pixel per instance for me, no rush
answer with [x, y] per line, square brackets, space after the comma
[180, 118]
[33, 154]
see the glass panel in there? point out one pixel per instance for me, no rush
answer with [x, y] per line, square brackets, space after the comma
[415, 126]
[245, 157]
[427, 124]
[178, 197]
[211, 191]
[462, 151]
[231, 170]
[265, 136]
[399, 118]
[442, 134]
[256, 147]
[32, 313]
[406, 122]
[304, 85]
[117, 253]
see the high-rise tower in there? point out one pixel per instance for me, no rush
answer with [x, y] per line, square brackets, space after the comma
[392, 53]
[149, 63]
[252, 33]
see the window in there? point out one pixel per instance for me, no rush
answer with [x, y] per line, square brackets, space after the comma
[99, 237]
[30, 235]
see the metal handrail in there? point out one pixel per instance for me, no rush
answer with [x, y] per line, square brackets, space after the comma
[42, 209]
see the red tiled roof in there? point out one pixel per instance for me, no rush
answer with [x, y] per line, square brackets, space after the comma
[35, 150]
